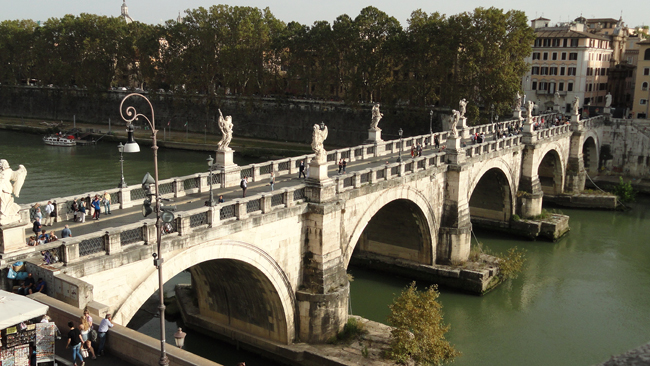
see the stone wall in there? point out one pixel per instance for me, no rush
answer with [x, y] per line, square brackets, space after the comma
[629, 144]
[276, 119]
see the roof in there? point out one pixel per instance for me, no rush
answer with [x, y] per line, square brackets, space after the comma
[540, 18]
[17, 308]
[563, 32]
[602, 20]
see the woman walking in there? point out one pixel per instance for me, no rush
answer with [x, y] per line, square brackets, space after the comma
[96, 203]
[85, 328]
[272, 182]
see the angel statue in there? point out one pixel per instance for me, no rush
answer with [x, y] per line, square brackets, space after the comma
[8, 208]
[455, 118]
[518, 102]
[529, 109]
[556, 98]
[608, 100]
[462, 105]
[225, 125]
[318, 137]
[376, 116]
[576, 105]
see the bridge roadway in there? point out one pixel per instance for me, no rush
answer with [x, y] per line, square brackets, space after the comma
[282, 256]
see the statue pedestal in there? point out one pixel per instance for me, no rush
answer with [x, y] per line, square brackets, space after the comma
[224, 159]
[12, 238]
[374, 136]
[320, 187]
[607, 110]
[516, 114]
[464, 130]
[556, 108]
[455, 154]
[317, 173]
[575, 118]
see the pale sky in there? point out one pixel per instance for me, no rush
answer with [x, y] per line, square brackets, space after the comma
[635, 12]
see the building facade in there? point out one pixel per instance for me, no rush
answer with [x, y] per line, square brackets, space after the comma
[569, 60]
[640, 106]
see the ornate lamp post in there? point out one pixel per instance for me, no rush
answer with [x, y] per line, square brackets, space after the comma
[211, 201]
[431, 121]
[120, 148]
[179, 338]
[132, 115]
[399, 152]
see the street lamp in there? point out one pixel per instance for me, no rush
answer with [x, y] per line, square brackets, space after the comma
[179, 338]
[431, 121]
[120, 148]
[132, 146]
[399, 152]
[211, 201]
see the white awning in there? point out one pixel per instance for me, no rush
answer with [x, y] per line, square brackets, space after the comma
[17, 308]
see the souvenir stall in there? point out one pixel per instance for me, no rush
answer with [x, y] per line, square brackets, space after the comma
[24, 339]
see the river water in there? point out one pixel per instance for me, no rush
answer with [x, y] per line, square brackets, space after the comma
[577, 302]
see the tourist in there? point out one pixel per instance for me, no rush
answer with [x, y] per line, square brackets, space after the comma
[345, 164]
[85, 328]
[82, 211]
[38, 214]
[89, 318]
[272, 181]
[27, 285]
[220, 199]
[75, 341]
[101, 333]
[43, 238]
[244, 184]
[32, 241]
[74, 208]
[37, 227]
[107, 203]
[66, 233]
[436, 141]
[96, 203]
[340, 165]
[301, 170]
[39, 287]
[49, 214]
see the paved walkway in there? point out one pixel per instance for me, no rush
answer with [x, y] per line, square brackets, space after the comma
[64, 356]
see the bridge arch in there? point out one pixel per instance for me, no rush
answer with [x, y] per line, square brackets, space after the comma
[551, 171]
[260, 298]
[413, 209]
[590, 152]
[492, 191]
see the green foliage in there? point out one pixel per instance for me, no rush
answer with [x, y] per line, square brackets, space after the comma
[511, 264]
[624, 191]
[516, 217]
[352, 330]
[419, 331]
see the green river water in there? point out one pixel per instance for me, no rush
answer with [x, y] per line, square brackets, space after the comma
[577, 302]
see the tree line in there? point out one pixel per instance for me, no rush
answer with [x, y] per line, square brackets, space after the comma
[435, 60]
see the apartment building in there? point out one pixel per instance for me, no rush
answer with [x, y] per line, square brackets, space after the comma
[641, 104]
[570, 60]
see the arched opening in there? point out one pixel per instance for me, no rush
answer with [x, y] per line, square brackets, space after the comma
[590, 155]
[398, 230]
[550, 173]
[491, 198]
[238, 295]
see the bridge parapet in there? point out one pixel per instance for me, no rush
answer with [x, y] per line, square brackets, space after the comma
[553, 131]
[490, 146]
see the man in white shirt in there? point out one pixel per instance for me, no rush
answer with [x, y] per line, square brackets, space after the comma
[101, 333]
[49, 208]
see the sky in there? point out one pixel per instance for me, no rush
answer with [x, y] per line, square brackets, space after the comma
[634, 12]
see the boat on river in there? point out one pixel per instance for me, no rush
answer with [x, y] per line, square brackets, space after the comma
[59, 140]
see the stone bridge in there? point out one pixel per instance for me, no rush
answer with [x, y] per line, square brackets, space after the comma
[272, 266]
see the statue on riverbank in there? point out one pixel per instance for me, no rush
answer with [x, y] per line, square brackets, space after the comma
[576, 105]
[8, 190]
[376, 117]
[225, 125]
[455, 118]
[462, 106]
[529, 109]
[318, 137]
[556, 98]
[608, 100]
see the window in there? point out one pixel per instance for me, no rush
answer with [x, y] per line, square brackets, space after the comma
[573, 56]
[646, 55]
[543, 85]
[597, 71]
[590, 71]
[534, 87]
[599, 99]
[535, 55]
[556, 42]
[569, 87]
[564, 55]
[538, 42]
[646, 71]
[534, 70]
[547, 42]
[571, 71]
[574, 42]
[560, 86]
[564, 43]
[602, 71]
[602, 86]
[643, 101]
[590, 87]
[562, 70]
[554, 56]
[543, 70]
[552, 71]
[545, 55]
[644, 86]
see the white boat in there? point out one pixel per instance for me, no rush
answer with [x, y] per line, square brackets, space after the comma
[56, 140]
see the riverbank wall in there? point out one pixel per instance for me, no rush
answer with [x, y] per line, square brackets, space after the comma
[366, 351]
[255, 117]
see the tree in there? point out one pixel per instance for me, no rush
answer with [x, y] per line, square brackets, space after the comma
[419, 332]
[16, 42]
